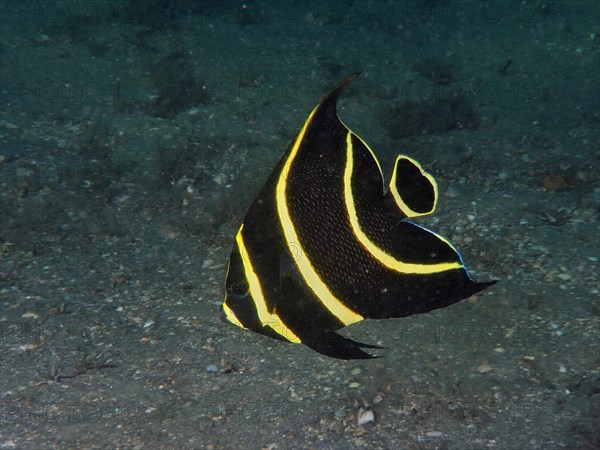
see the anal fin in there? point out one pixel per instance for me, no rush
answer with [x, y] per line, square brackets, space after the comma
[336, 346]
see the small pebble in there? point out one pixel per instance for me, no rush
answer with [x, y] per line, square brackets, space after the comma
[484, 368]
[27, 347]
[211, 368]
[434, 434]
[562, 369]
[354, 385]
[355, 371]
[378, 398]
[365, 416]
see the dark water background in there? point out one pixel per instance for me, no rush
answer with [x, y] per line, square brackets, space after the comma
[133, 137]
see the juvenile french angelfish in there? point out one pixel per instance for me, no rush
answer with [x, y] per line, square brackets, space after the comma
[324, 245]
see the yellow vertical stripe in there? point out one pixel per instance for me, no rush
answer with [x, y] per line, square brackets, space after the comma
[310, 276]
[266, 318]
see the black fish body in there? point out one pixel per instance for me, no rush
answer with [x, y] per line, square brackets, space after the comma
[324, 245]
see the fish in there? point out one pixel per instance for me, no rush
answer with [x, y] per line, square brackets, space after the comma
[324, 245]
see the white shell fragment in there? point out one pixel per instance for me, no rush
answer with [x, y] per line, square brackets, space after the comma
[365, 416]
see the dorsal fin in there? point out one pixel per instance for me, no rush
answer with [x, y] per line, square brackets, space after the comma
[412, 189]
[328, 106]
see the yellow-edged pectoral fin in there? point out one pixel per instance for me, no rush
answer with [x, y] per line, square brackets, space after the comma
[414, 190]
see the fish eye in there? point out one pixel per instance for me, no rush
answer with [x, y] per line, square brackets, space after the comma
[239, 290]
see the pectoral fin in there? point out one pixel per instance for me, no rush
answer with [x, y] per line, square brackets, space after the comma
[413, 189]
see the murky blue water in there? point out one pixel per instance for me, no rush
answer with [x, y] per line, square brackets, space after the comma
[134, 136]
